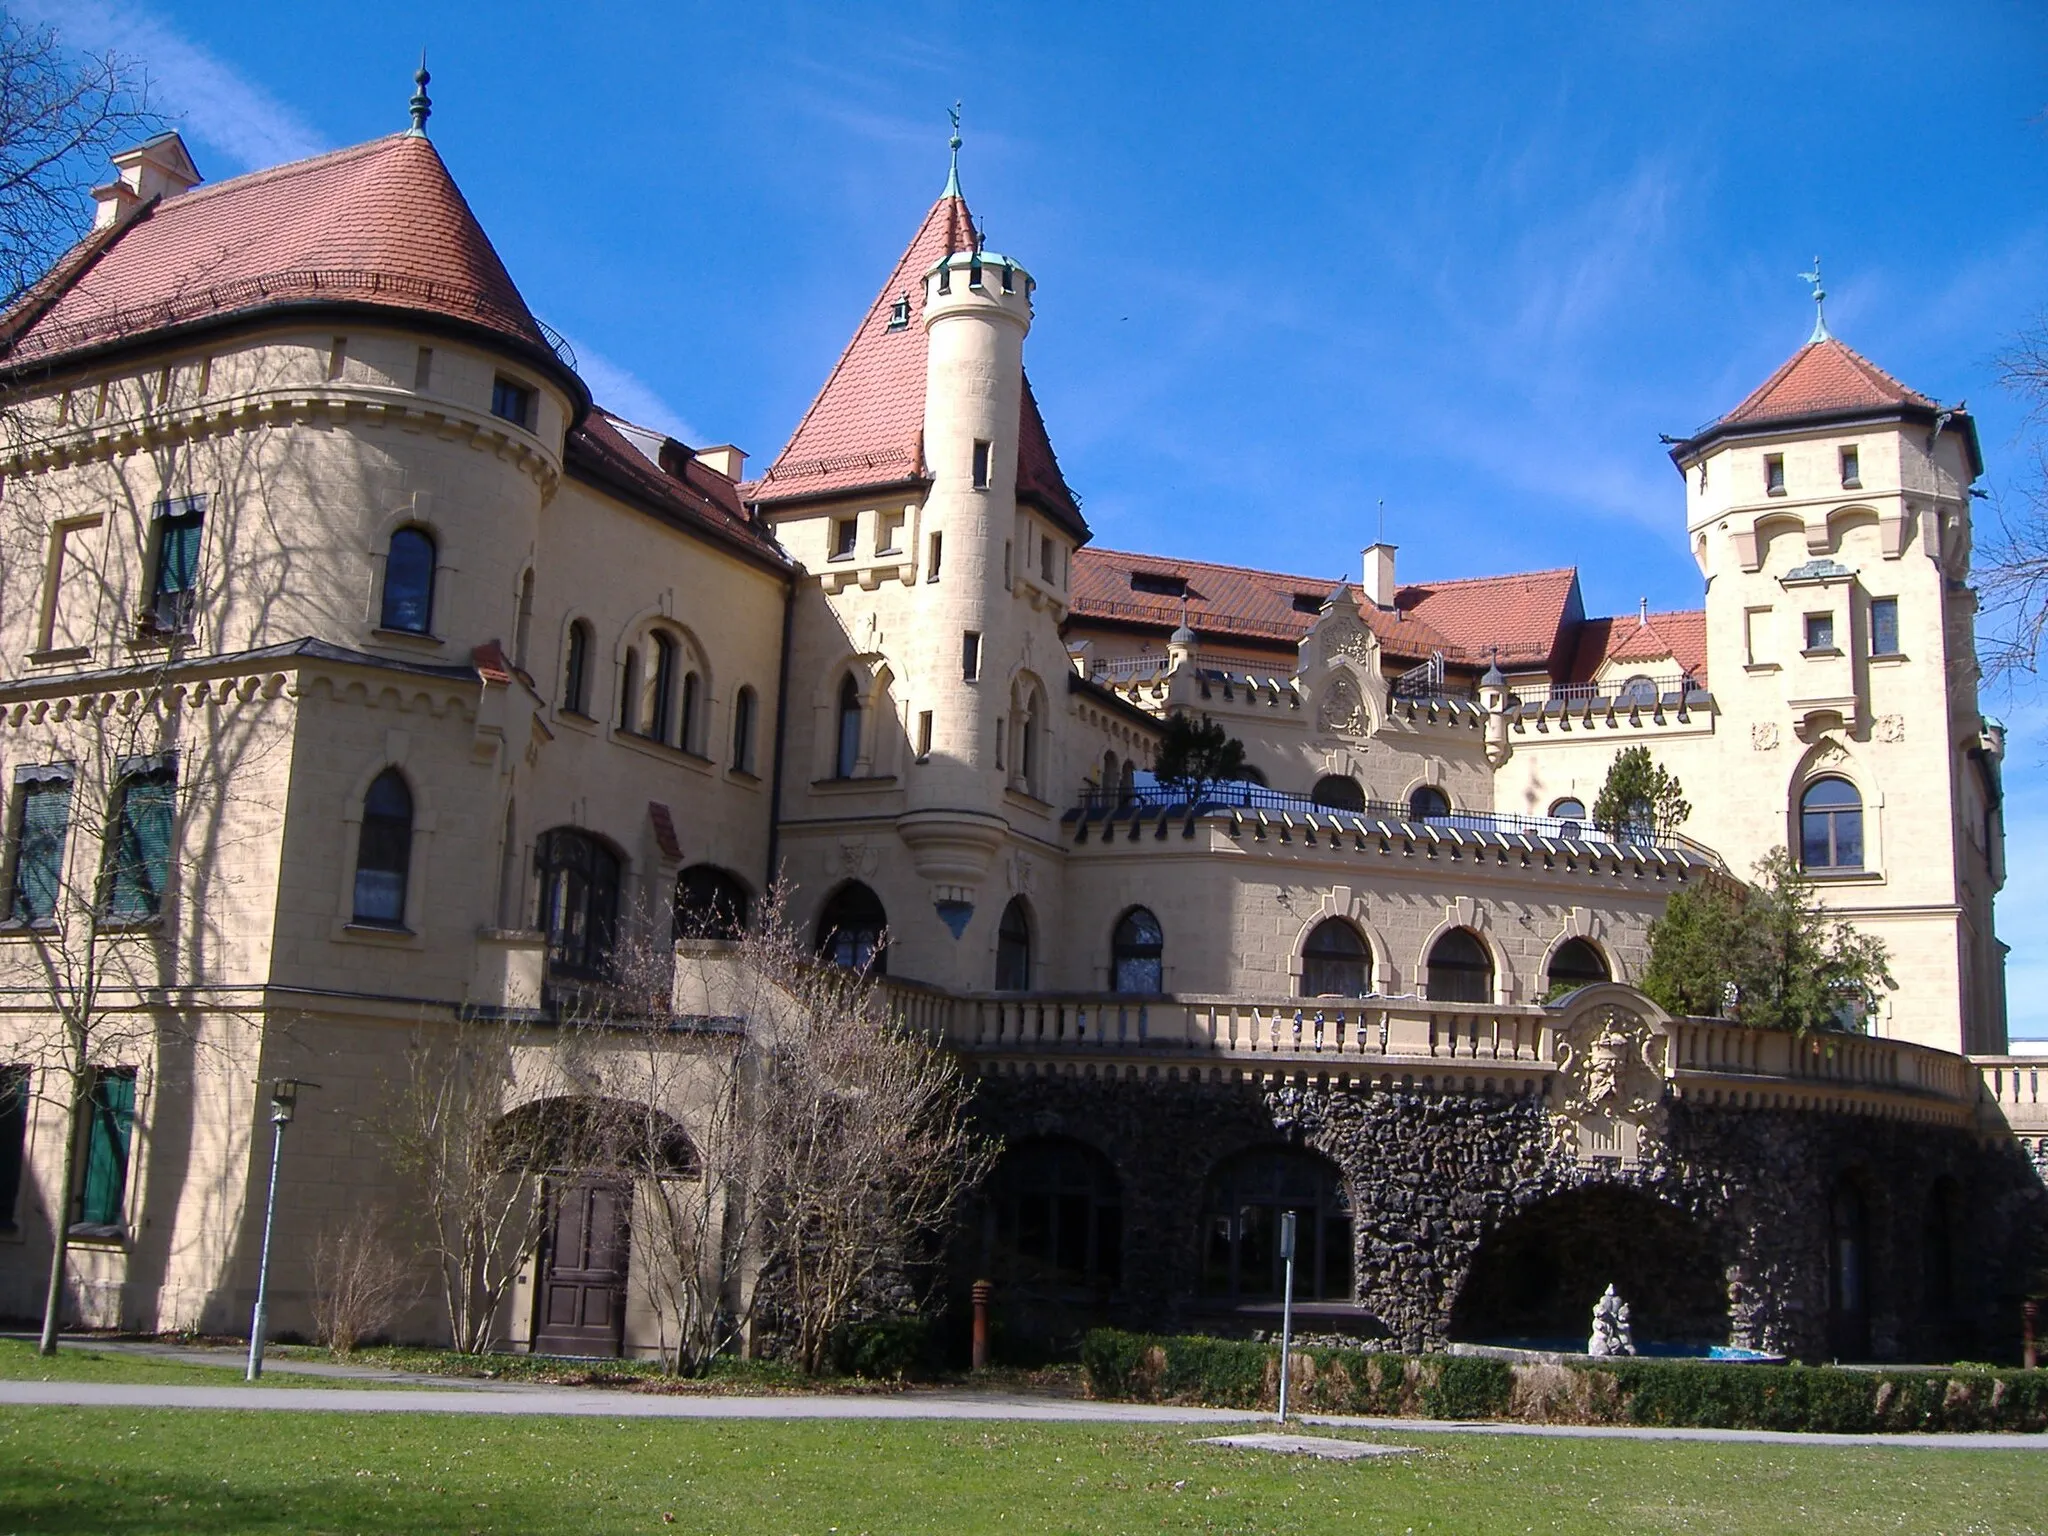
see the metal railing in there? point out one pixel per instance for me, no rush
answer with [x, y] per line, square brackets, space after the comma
[1643, 691]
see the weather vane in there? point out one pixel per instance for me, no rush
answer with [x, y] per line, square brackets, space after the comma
[1820, 318]
[953, 175]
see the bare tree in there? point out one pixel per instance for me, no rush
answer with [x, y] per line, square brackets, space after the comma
[857, 1141]
[361, 1281]
[60, 113]
[2012, 564]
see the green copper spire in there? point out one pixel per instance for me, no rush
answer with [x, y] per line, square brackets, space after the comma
[421, 106]
[953, 175]
[1820, 316]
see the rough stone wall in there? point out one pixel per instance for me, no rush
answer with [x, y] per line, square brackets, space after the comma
[1432, 1178]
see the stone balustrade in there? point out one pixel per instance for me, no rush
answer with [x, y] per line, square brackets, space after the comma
[2018, 1087]
[1412, 1044]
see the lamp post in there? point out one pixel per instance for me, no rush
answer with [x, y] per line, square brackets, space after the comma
[284, 1099]
[1286, 1305]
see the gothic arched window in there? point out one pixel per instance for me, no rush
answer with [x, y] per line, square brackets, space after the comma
[846, 761]
[384, 851]
[1013, 947]
[711, 903]
[1137, 954]
[851, 929]
[409, 582]
[576, 670]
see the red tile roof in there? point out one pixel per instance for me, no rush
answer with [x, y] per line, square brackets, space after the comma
[381, 224]
[866, 426]
[1680, 635]
[695, 497]
[1527, 617]
[1823, 378]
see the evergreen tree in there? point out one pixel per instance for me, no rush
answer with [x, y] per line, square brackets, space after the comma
[1195, 754]
[1640, 798]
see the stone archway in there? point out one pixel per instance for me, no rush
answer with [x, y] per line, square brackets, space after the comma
[1537, 1274]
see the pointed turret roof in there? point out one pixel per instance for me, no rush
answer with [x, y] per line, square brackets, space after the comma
[1825, 381]
[866, 426]
[380, 225]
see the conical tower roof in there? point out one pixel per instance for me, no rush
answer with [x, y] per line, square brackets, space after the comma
[866, 427]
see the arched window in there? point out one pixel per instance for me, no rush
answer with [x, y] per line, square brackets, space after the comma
[1013, 948]
[409, 582]
[1241, 1212]
[711, 903]
[579, 901]
[846, 762]
[1831, 825]
[693, 705]
[661, 689]
[743, 731]
[1137, 954]
[1027, 737]
[1338, 791]
[851, 929]
[1460, 969]
[384, 851]
[1571, 817]
[1427, 802]
[1054, 1216]
[1336, 961]
[629, 691]
[1639, 692]
[576, 670]
[1576, 963]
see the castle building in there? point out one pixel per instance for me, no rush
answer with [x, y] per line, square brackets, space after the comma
[360, 673]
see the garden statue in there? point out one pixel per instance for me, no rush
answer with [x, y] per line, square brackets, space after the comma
[1611, 1334]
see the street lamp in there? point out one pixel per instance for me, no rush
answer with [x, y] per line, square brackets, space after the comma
[284, 1099]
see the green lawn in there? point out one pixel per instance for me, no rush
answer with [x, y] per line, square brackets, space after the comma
[82, 1362]
[122, 1473]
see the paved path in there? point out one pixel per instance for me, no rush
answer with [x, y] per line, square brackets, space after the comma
[582, 1402]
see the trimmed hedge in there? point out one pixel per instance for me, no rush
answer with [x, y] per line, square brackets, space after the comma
[1701, 1394]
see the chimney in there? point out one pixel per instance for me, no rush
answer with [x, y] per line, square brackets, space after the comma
[160, 167]
[725, 460]
[1379, 575]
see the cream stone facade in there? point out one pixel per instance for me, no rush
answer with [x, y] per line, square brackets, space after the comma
[452, 684]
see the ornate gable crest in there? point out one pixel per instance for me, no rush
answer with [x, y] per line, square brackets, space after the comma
[1610, 1068]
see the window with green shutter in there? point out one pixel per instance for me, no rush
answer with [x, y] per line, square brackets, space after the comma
[180, 526]
[139, 847]
[42, 815]
[103, 1192]
[13, 1142]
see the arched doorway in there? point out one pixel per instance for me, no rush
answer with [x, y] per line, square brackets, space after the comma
[852, 929]
[1241, 1209]
[1053, 1218]
[1013, 947]
[1537, 1274]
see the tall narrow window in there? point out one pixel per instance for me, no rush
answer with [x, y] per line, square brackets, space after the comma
[423, 370]
[970, 655]
[1884, 626]
[1831, 825]
[693, 686]
[629, 692]
[579, 901]
[174, 591]
[743, 731]
[522, 622]
[409, 582]
[1045, 558]
[846, 761]
[384, 851]
[1774, 474]
[981, 465]
[337, 358]
[138, 851]
[103, 1186]
[938, 548]
[576, 670]
[661, 692]
[1013, 948]
[924, 734]
[1852, 470]
[1137, 954]
[845, 535]
[512, 401]
[14, 1083]
[42, 816]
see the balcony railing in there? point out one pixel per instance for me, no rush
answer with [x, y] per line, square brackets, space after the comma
[1643, 691]
[1411, 1043]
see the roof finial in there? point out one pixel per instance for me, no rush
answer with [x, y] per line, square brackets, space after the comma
[953, 175]
[422, 108]
[1642, 613]
[1820, 316]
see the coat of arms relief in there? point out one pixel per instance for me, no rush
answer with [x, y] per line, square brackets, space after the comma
[1610, 1067]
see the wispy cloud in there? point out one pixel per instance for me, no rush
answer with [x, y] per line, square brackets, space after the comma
[624, 393]
[203, 96]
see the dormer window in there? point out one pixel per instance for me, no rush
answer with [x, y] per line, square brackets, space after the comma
[1852, 470]
[1308, 602]
[1159, 584]
[899, 314]
[845, 531]
[1774, 474]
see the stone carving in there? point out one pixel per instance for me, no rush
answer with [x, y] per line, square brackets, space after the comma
[1611, 1070]
[1890, 728]
[857, 859]
[1763, 735]
[1611, 1333]
[1343, 711]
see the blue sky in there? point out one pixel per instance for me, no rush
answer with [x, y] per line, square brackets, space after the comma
[1291, 260]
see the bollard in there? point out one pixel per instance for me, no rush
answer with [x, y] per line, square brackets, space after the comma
[983, 1290]
[2030, 1348]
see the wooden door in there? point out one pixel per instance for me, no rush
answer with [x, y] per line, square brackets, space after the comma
[581, 1308]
